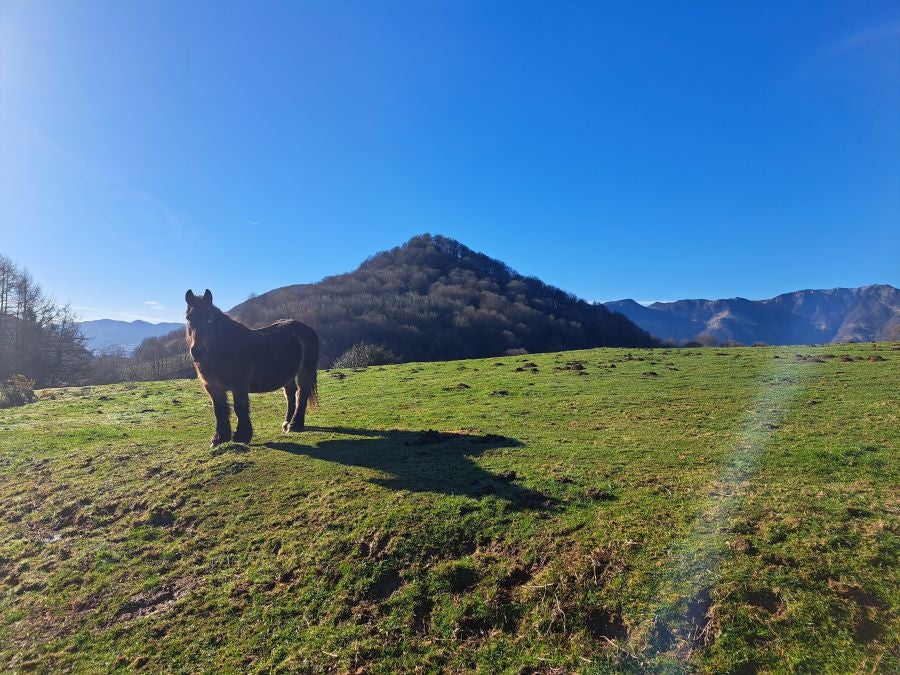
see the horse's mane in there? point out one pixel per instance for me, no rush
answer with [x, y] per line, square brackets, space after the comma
[222, 317]
[221, 321]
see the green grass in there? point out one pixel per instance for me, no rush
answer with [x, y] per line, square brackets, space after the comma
[659, 510]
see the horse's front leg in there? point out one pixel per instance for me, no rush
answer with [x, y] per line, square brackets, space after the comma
[219, 399]
[244, 431]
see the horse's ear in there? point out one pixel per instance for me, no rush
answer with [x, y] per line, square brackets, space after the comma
[189, 297]
[207, 296]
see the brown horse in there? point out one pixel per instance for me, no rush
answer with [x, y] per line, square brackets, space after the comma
[228, 356]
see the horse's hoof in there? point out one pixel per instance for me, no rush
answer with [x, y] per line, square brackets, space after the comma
[218, 440]
[296, 428]
[285, 426]
[243, 438]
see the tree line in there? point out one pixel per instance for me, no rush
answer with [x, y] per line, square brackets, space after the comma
[431, 299]
[156, 358]
[39, 338]
[41, 344]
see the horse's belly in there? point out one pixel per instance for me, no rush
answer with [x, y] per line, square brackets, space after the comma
[259, 384]
[268, 379]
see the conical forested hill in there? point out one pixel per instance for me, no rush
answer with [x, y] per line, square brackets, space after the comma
[435, 299]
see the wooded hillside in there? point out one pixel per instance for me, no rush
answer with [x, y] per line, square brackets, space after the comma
[434, 299]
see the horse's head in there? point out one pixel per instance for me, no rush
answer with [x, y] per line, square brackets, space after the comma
[201, 318]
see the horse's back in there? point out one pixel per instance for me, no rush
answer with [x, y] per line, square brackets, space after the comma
[274, 355]
[275, 327]
[285, 325]
[296, 333]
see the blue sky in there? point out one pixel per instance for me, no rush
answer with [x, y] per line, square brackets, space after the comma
[651, 150]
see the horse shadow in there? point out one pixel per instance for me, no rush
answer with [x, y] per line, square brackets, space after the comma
[423, 461]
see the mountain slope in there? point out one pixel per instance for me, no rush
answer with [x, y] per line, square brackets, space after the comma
[435, 299]
[104, 335]
[653, 321]
[809, 316]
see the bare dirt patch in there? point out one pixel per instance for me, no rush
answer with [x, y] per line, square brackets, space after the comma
[604, 624]
[158, 600]
[767, 600]
[856, 594]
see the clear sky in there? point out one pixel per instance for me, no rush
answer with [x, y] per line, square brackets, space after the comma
[651, 150]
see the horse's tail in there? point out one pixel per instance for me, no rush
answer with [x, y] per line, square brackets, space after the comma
[306, 378]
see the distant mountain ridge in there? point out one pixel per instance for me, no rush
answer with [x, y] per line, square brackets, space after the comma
[859, 314]
[108, 335]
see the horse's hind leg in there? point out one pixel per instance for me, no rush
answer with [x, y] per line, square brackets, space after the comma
[244, 431]
[298, 420]
[305, 394]
[290, 395]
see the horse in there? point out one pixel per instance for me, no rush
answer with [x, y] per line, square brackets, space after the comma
[229, 356]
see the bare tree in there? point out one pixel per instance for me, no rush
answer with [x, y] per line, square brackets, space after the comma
[38, 338]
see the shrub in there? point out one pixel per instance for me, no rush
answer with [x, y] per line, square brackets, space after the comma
[363, 354]
[18, 390]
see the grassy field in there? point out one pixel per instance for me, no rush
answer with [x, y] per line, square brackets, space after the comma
[727, 510]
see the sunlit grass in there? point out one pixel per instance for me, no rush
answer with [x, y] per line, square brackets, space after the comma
[598, 510]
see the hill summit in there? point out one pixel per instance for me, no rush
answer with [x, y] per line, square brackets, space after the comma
[435, 299]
